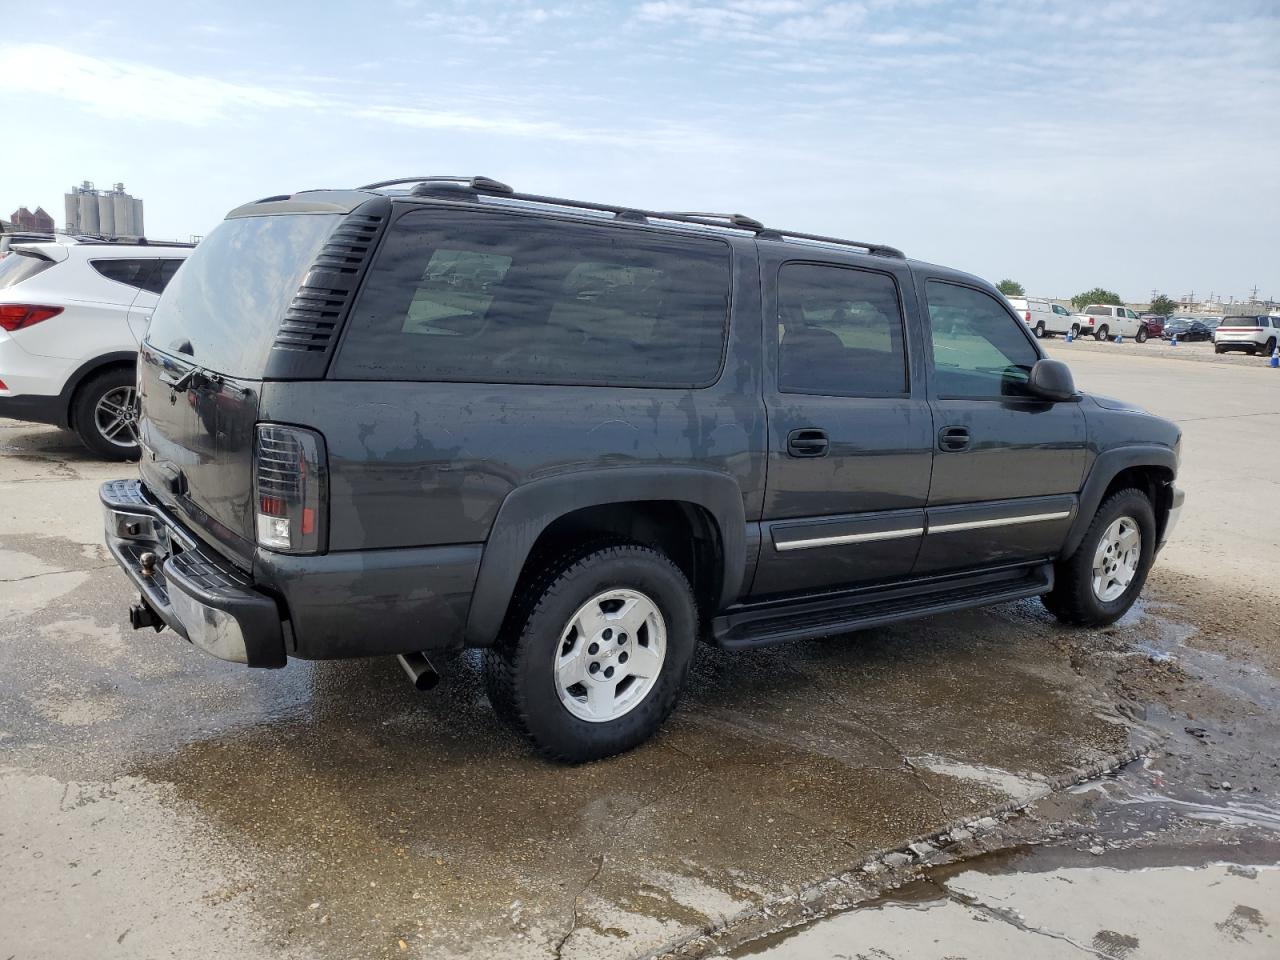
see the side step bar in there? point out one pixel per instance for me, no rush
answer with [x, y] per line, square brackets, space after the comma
[759, 624]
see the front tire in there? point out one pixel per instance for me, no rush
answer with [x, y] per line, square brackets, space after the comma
[592, 661]
[1142, 335]
[1099, 582]
[1101, 332]
[104, 415]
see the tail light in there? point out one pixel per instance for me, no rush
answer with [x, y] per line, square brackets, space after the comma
[290, 489]
[1028, 316]
[18, 316]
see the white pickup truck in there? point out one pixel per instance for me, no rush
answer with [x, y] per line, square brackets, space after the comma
[1105, 321]
[1044, 318]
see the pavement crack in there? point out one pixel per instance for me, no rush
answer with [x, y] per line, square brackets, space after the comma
[912, 770]
[1007, 916]
[51, 573]
[573, 920]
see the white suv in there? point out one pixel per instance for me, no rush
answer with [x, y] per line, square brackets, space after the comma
[71, 316]
[1254, 334]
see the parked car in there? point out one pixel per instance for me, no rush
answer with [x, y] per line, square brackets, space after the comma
[593, 455]
[71, 316]
[1105, 321]
[1154, 323]
[1257, 334]
[1042, 317]
[1187, 330]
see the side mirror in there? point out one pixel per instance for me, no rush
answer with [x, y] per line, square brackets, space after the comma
[1051, 380]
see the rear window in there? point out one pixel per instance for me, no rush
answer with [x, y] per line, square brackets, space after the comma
[1098, 311]
[1243, 322]
[133, 273]
[223, 307]
[17, 267]
[497, 298]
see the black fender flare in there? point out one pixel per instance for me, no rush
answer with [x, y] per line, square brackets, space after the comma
[1105, 468]
[530, 508]
[87, 370]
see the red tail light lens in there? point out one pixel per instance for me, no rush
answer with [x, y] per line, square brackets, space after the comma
[19, 316]
[290, 489]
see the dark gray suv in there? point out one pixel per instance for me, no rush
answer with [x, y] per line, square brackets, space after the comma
[433, 413]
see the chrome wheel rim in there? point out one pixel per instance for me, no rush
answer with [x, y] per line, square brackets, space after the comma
[610, 655]
[1115, 562]
[116, 417]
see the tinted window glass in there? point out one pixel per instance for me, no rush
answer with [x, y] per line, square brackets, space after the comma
[17, 267]
[161, 275]
[979, 351]
[1240, 322]
[1098, 311]
[839, 332]
[223, 308]
[490, 297]
[135, 273]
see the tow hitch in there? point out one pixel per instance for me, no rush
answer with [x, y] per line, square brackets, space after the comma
[141, 615]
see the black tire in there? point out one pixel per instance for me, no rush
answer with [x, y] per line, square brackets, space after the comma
[1073, 599]
[1218, 349]
[84, 419]
[1075, 331]
[1038, 330]
[1101, 332]
[1141, 335]
[520, 669]
[1269, 348]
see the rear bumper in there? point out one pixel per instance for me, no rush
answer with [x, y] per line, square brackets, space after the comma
[34, 408]
[207, 602]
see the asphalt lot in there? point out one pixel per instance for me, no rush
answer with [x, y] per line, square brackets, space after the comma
[155, 802]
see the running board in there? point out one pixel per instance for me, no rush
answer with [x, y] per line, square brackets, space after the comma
[803, 619]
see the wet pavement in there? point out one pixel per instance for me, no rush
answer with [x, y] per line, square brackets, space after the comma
[154, 801]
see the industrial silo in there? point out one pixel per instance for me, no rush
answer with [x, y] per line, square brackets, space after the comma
[138, 230]
[72, 205]
[124, 214]
[88, 202]
[106, 216]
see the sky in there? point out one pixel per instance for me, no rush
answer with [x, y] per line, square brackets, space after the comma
[1065, 144]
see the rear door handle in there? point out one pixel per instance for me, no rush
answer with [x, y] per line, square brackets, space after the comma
[953, 439]
[809, 442]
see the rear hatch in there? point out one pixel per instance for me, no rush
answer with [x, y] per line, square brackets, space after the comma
[1239, 330]
[261, 298]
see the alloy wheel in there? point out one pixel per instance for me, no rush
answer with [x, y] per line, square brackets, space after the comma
[1116, 559]
[116, 417]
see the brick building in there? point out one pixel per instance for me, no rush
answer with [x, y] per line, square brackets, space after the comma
[23, 220]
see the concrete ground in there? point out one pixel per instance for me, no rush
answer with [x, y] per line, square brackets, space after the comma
[155, 802]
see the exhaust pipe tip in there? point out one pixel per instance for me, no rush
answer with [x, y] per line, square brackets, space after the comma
[421, 673]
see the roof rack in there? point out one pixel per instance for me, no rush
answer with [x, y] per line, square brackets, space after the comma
[454, 186]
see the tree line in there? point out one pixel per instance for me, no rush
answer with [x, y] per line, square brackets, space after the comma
[1161, 304]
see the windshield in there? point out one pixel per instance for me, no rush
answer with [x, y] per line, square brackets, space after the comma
[223, 308]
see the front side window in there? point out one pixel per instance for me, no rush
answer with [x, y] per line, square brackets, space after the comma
[500, 298]
[1061, 310]
[839, 332]
[979, 351]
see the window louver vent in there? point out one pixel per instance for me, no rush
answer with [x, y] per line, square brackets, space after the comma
[313, 314]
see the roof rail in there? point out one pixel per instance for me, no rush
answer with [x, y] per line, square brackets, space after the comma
[481, 184]
[730, 221]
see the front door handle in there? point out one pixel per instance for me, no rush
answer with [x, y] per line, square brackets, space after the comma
[809, 442]
[953, 439]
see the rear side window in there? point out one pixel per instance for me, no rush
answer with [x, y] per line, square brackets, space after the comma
[134, 273]
[979, 351]
[159, 278]
[17, 267]
[839, 332]
[495, 298]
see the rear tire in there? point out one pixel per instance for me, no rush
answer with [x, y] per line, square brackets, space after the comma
[1075, 331]
[564, 617]
[1039, 330]
[1218, 349]
[104, 415]
[1094, 587]
[1101, 332]
[1270, 347]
